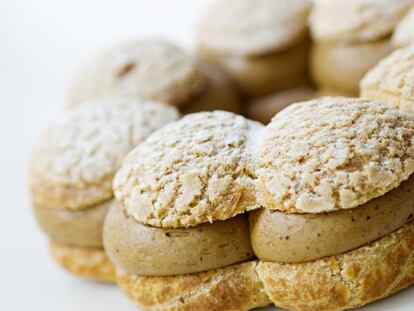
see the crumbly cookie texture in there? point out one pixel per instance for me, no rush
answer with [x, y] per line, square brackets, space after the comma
[148, 69]
[193, 171]
[392, 80]
[333, 153]
[356, 20]
[404, 34]
[234, 287]
[253, 27]
[345, 281]
[89, 263]
[75, 159]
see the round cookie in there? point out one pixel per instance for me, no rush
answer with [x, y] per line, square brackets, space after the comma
[356, 20]
[84, 262]
[345, 281]
[219, 92]
[392, 80]
[280, 237]
[333, 153]
[342, 66]
[143, 250]
[196, 170]
[75, 159]
[146, 69]
[245, 27]
[265, 108]
[404, 34]
[235, 287]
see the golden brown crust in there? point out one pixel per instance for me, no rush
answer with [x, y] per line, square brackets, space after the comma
[346, 281]
[232, 288]
[89, 263]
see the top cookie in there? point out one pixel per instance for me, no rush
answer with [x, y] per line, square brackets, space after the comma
[74, 160]
[148, 69]
[355, 20]
[190, 172]
[333, 153]
[404, 33]
[392, 80]
[253, 27]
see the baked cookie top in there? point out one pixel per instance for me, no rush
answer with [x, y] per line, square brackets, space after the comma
[253, 27]
[75, 158]
[196, 170]
[333, 153]
[148, 69]
[392, 80]
[356, 20]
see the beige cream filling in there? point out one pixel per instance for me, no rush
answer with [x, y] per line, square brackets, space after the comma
[262, 75]
[281, 237]
[342, 66]
[81, 228]
[145, 250]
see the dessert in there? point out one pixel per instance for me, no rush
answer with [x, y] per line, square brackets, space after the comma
[335, 180]
[262, 45]
[350, 38]
[71, 172]
[179, 234]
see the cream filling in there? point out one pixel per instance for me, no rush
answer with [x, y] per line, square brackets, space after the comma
[281, 237]
[81, 228]
[145, 250]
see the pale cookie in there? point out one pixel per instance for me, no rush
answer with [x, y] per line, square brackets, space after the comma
[346, 281]
[392, 80]
[75, 159]
[190, 172]
[404, 33]
[333, 153]
[245, 27]
[356, 20]
[234, 287]
[148, 69]
[91, 263]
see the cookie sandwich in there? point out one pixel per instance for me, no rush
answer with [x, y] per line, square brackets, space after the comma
[71, 172]
[392, 80]
[350, 38]
[335, 179]
[262, 45]
[178, 235]
[154, 70]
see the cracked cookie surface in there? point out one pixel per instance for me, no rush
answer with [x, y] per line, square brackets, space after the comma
[196, 170]
[392, 80]
[333, 153]
[75, 158]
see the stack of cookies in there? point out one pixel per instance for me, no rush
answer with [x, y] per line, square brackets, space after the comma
[351, 36]
[216, 211]
[327, 187]
[263, 46]
[71, 173]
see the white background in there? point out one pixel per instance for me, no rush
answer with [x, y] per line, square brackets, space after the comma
[41, 42]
